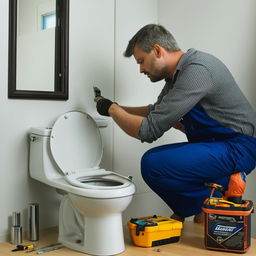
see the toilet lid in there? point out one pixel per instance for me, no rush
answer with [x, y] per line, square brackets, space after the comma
[75, 142]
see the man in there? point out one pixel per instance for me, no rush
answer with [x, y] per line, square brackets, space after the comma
[202, 99]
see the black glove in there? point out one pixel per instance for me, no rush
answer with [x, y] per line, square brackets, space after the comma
[103, 105]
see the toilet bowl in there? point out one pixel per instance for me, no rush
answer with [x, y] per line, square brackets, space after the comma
[67, 157]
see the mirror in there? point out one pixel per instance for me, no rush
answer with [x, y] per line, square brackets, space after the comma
[38, 49]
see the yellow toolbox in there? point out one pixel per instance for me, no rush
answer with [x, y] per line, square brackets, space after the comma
[154, 230]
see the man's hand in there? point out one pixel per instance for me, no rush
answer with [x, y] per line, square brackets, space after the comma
[129, 122]
[103, 105]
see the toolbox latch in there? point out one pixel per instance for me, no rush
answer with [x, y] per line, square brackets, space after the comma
[139, 228]
[141, 224]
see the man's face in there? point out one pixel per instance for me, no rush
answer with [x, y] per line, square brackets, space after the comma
[150, 64]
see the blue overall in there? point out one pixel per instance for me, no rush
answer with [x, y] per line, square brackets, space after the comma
[177, 172]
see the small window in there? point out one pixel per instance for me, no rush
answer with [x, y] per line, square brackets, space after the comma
[48, 21]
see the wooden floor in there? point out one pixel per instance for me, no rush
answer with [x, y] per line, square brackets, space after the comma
[190, 244]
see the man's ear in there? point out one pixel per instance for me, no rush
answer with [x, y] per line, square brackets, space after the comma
[157, 50]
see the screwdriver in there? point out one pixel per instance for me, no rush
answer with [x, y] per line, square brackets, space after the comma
[21, 247]
[50, 249]
[43, 247]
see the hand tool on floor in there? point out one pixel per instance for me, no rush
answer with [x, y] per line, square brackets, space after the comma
[43, 247]
[53, 248]
[21, 247]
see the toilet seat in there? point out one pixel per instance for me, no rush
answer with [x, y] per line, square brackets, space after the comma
[76, 147]
[107, 179]
[75, 142]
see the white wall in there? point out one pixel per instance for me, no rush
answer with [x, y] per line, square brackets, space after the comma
[91, 63]
[225, 29]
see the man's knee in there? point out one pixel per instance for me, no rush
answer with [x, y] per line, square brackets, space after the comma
[146, 165]
[155, 165]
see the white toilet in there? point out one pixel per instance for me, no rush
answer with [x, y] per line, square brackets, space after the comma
[67, 157]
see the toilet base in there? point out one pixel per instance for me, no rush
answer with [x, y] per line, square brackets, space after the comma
[102, 235]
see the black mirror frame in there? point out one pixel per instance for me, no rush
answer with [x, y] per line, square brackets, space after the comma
[61, 55]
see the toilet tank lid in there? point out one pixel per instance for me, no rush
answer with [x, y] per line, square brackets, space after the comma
[42, 131]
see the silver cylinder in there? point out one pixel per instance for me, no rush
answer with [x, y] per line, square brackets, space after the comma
[16, 219]
[16, 235]
[33, 222]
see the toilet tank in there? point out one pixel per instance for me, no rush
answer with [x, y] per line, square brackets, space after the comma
[42, 166]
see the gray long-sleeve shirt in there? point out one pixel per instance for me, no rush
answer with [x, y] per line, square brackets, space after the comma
[200, 78]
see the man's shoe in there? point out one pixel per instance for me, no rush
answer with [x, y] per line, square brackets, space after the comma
[199, 218]
[177, 217]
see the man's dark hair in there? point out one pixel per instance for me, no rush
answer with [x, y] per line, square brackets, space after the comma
[149, 35]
